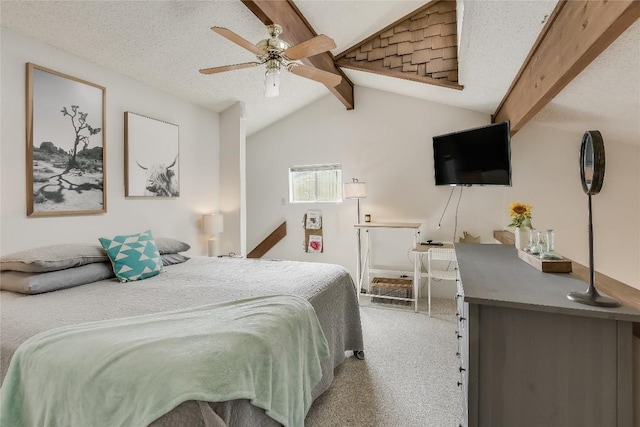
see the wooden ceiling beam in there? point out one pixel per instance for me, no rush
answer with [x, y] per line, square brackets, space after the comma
[575, 34]
[296, 30]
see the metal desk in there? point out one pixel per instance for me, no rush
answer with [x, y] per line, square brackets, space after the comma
[367, 226]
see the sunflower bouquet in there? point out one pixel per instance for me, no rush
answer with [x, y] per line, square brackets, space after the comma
[520, 215]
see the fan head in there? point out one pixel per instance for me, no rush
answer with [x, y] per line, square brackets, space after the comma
[273, 47]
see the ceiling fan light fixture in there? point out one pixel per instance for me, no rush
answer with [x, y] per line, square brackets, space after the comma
[275, 54]
[272, 80]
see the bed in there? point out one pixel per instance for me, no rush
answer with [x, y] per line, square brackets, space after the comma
[201, 280]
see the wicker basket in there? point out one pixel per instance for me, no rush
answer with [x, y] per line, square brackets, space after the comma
[400, 288]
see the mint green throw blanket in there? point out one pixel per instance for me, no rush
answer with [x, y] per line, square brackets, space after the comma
[130, 371]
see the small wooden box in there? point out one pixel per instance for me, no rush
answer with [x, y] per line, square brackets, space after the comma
[546, 265]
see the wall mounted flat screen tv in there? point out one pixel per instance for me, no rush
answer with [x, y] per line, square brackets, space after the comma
[479, 156]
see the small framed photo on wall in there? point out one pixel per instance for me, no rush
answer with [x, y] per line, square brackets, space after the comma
[151, 156]
[66, 162]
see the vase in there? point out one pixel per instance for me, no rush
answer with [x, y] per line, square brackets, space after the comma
[550, 251]
[536, 245]
[522, 237]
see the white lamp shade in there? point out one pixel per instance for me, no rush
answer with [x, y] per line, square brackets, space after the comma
[355, 190]
[213, 223]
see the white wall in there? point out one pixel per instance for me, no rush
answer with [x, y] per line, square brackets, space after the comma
[546, 174]
[199, 150]
[386, 142]
[232, 174]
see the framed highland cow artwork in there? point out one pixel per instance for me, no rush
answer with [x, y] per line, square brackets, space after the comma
[151, 157]
[66, 169]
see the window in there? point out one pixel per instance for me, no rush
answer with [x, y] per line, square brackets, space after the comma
[315, 183]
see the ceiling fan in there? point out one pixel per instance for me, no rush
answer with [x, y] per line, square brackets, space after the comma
[276, 54]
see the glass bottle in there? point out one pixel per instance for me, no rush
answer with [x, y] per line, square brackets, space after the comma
[543, 242]
[532, 233]
[549, 252]
[536, 247]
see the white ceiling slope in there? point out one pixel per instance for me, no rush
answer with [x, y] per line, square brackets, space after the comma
[605, 96]
[496, 38]
[164, 43]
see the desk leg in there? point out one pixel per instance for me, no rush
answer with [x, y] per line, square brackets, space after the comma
[358, 264]
[416, 278]
[416, 269]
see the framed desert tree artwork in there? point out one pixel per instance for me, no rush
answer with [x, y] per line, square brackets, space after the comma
[151, 157]
[66, 173]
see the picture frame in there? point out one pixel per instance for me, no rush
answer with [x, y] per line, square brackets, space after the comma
[151, 157]
[312, 224]
[65, 153]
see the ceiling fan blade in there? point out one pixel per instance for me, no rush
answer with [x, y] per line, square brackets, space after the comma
[311, 47]
[230, 35]
[224, 68]
[324, 77]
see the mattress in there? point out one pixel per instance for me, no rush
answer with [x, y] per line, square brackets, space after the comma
[201, 280]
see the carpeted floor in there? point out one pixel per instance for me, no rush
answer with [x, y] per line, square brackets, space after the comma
[409, 375]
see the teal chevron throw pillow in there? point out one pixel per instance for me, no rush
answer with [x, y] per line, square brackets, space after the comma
[134, 256]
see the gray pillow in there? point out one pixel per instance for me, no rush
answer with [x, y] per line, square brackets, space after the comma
[170, 259]
[167, 245]
[53, 258]
[36, 283]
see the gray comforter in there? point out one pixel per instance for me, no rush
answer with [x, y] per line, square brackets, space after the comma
[199, 281]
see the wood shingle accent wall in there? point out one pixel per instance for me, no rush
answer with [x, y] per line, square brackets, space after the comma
[422, 47]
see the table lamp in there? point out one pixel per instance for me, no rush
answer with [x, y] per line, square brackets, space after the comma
[213, 225]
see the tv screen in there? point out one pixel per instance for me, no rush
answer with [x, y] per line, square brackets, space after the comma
[479, 156]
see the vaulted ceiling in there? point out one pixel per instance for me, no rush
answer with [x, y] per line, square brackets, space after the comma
[164, 44]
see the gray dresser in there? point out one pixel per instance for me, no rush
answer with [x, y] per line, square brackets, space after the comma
[529, 356]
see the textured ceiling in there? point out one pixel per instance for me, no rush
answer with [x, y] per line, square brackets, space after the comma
[605, 96]
[163, 44]
[496, 38]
